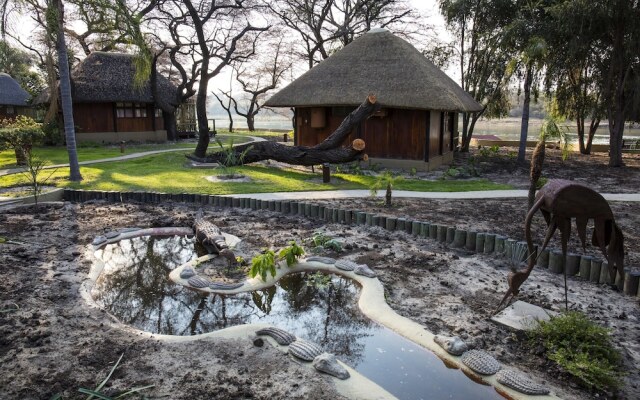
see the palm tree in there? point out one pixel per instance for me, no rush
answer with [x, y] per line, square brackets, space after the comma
[56, 6]
[386, 180]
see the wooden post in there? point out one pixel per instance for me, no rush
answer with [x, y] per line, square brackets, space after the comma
[326, 173]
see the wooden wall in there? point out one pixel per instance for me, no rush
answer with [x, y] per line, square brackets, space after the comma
[395, 134]
[100, 117]
[17, 110]
[93, 117]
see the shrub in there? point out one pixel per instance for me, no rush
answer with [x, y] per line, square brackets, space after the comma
[291, 253]
[263, 263]
[582, 348]
[385, 180]
[20, 134]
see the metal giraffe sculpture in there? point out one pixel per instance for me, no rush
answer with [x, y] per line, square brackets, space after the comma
[560, 201]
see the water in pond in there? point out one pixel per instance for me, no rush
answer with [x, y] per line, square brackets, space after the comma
[321, 308]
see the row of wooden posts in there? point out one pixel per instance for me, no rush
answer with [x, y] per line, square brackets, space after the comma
[583, 266]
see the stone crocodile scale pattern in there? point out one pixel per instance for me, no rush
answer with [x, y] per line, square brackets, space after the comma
[346, 265]
[481, 362]
[520, 383]
[281, 336]
[305, 350]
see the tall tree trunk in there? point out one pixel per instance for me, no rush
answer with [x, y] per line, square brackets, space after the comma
[524, 126]
[580, 131]
[65, 95]
[466, 137]
[250, 123]
[170, 125]
[593, 127]
[201, 112]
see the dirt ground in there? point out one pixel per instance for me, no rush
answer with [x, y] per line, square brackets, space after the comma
[52, 342]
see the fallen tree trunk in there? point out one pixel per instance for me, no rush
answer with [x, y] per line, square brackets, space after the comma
[328, 151]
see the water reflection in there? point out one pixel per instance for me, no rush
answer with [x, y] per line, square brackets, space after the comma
[322, 308]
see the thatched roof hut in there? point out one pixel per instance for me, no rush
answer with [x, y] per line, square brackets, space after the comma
[108, 107]
[109, 77]
[417, 127]
[381, 63]
[11, 93]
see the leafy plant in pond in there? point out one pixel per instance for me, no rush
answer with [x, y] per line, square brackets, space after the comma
[262, 264]
[291, 253]
[582, 348]
[318, 280]
[387, 179]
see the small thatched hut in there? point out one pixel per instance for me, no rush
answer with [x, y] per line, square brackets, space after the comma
[107, 107]
[13, 98]
[418, 123]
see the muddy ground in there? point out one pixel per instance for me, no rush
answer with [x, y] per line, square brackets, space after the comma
[52, 342]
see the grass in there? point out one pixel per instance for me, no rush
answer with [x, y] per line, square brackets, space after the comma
[167, 173]
[58, 154]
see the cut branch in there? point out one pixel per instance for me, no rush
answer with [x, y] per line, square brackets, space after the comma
[327, 151]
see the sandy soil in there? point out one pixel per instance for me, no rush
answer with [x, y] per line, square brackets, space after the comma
[52, 342]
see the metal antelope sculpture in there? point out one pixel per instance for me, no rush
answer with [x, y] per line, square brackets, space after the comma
[559, 201]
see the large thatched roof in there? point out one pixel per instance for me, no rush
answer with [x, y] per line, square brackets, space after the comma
[11, 94]
[381, 63]
[108, 77]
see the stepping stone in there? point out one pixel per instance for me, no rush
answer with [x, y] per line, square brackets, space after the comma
[521, 316]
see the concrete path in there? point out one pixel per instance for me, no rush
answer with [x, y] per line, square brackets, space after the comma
[131, 156]
[344, 194]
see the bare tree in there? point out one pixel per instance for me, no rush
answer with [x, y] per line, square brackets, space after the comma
[226, 105]
[213, 34]
[259, 77]
[327, 25]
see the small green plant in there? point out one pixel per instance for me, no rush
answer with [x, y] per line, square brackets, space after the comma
[262, 264]
[291, 253]
[387, 179]
[487, 152]
[450, 173]
[582, 348]
[541, 182]
[413, 171]
[35, 166]
[333, 245]
[230, 157]
[96, 393]
[319, 239]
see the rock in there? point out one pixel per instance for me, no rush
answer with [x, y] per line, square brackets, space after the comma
[305, 350]
[198, 282]
[328, 364]
[481, 362]
[364, 270]
[452, 344]
[225, 286]
[187, 273]
[281, 336]
[346, 265]
[520, 383]
[99, 240]
[112, 235]
[324, 260]
[258, 342]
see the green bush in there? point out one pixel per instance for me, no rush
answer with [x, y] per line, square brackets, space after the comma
[20, 134]
[582, 348]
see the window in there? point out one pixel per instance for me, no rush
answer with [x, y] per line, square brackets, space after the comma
[131, 110]
[10, 110]
[158, 113]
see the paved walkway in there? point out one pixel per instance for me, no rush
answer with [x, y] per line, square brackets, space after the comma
[131, 156]
[344, 194]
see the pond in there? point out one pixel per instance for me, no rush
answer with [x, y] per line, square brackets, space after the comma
[322, 308]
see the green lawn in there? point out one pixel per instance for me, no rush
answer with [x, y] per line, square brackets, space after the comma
[167, 173]
[58, 154]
